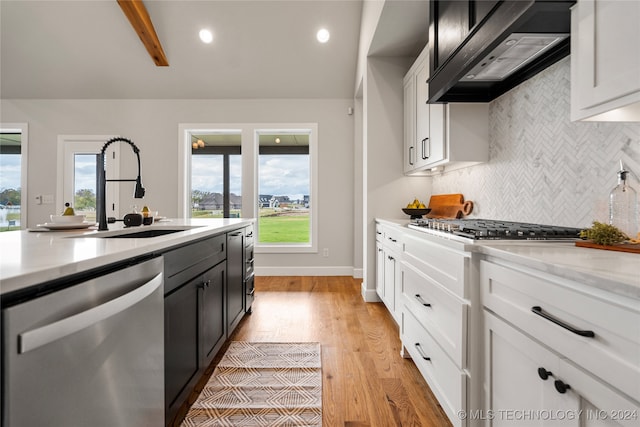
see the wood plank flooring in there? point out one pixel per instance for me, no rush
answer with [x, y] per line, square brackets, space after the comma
[366, 382]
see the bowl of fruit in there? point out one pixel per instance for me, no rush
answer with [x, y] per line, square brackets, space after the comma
[416, 209]
[68, 216]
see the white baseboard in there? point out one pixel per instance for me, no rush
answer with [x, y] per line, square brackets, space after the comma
[369, 295]
[358, 273]
[304, 271]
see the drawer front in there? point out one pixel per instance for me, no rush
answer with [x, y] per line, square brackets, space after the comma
[393, 239]
[438, 310]
[249, 261]
[445, 267]
[556, 312]
[183, 264]
[248, 235]
[379, 232]
[447, 382]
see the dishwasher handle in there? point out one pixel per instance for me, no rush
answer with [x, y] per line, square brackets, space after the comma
[43, 335]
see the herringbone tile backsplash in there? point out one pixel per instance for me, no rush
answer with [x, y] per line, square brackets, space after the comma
[543, 168]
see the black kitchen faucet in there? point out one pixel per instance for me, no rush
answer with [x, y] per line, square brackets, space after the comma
[101, 181]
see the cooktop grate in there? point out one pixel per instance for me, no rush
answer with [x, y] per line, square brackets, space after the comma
[487, 229]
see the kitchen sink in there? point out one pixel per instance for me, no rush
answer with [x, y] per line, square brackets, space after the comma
[142, 234]
[137, 234]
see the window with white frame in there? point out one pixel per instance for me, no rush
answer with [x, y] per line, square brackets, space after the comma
[275, 177]
[13, 176]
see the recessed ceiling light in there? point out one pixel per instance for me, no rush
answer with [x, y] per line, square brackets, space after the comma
[323, 35]
[206, 36]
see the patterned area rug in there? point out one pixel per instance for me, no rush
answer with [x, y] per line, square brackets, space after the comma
[262, 384]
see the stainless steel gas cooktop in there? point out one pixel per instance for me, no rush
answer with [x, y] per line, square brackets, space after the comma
[487, 229]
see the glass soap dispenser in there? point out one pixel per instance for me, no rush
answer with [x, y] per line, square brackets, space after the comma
[623, 205]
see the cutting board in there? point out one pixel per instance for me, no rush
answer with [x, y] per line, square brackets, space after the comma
[633, 248]
[449, 206]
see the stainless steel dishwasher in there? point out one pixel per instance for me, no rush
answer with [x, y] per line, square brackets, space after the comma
[91, 354]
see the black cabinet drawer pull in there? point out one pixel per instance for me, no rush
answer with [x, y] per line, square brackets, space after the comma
[583, 333]
[561, 387]
[393, 240]
[544, 374]
[205, 284]
[417, 346]
[390, 257]
[421, 301]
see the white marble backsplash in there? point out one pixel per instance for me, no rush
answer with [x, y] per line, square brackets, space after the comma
[544, 168]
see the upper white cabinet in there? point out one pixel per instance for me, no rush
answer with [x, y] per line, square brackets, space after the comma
[423, 123]
[448, 135]
[605, 60]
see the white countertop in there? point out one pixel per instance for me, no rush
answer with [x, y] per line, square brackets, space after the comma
[29, 258]
[618, 272]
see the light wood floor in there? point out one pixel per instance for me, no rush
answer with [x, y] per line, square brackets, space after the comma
[365, 381]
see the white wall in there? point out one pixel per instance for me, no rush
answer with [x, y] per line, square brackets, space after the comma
[153, 126]
[387, 189]
[371, 11]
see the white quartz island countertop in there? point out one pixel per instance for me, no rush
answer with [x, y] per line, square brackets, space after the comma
[32, 257]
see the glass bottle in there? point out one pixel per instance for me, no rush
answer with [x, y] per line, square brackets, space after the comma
[623, 205]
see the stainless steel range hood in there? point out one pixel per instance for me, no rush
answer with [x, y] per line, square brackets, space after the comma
[511, 55]
[515, 41]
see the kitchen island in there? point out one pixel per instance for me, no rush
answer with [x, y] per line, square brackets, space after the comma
[31, 257]
[131, 317]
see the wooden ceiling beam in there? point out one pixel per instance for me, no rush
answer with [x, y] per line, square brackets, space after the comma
[139, 18]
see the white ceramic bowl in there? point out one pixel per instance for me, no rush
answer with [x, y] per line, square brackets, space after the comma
[67, 219]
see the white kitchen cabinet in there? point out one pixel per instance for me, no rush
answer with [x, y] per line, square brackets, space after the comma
[440, 135]
[434, 319]
[423, 123]
[605, 60]
[528, 384]
[388, 253]
[557, 354]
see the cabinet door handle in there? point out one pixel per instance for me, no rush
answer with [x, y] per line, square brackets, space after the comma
[378, 232]
[411, 155]
[421, 301]
[393, 240]
[419, 349]
[390, 257]
[251, 292]
[583, 333]
[249, 261]
[561, 387]
[425, 149]
[205, 284]
[544, 374]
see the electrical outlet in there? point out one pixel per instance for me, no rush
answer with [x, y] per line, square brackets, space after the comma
[325, 252]
[38, 200]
